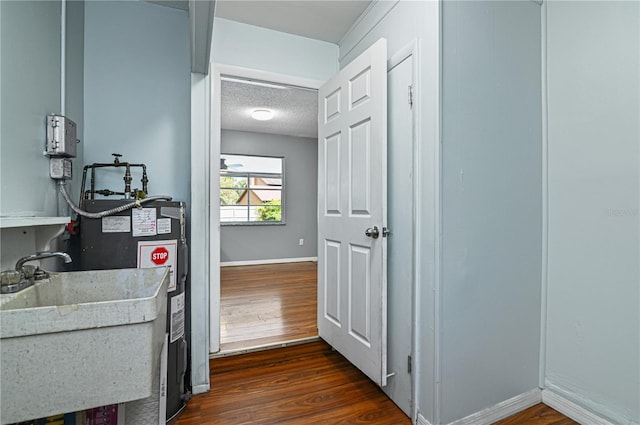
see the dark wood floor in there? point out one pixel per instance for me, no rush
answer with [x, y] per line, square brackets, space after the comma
[267, 304]
[306, 384]
[299, 385]
[538, 415]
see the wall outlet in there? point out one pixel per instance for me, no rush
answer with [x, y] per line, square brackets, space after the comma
[301, 242]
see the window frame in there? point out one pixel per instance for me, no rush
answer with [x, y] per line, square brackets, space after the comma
[248, 176]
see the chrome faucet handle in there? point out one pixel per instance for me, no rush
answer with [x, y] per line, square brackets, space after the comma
[28, 271]
[10, 277]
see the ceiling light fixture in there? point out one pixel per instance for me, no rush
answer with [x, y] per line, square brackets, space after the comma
[262, 114]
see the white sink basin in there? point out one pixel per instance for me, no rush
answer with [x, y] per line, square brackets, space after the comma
[79, 340]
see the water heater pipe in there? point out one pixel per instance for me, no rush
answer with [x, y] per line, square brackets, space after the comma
[77, 210]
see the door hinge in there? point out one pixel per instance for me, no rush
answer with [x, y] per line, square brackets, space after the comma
[410, 96]
[409, 367]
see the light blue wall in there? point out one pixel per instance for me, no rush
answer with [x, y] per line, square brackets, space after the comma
[74, 80]
[246, 243]
[491, 203]
[30, 89]
[593, 346]
[30, 85]
[258, 48]
[137, 93]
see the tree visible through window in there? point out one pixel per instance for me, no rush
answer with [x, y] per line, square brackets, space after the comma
[251, 189]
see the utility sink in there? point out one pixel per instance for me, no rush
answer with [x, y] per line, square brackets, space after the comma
[81, 339]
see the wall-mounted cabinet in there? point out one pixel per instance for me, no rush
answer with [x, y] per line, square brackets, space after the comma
[21, 236]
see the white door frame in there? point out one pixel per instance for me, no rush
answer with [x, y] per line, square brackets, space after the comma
[412, 50]
[217, 70]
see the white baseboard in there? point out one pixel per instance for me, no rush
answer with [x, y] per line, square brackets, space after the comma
[523, 401]
[271, 261]
[263, 347]
[422, 420]
[571, 409]
[502, 410]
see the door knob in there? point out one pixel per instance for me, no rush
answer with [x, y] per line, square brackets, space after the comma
[372, 233]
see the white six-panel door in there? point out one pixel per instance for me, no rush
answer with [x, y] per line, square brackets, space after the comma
[352, 148]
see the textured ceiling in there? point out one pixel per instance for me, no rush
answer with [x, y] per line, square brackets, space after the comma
[295, 109]
[319, 19]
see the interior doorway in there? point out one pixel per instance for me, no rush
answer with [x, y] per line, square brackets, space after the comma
[404, 212]
[266, 280]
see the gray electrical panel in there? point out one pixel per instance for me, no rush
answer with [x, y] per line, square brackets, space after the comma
[61, 136]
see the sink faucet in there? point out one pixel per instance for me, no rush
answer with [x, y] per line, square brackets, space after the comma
[41, 255]
[12, 281]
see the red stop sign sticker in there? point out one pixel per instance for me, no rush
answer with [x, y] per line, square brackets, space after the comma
[159, 256]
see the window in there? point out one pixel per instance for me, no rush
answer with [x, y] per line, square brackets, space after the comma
[251, 189]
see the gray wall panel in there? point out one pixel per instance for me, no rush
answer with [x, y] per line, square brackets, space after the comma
[491, 217]
[247, 243]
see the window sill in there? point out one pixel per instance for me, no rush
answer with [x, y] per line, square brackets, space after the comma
[252, 223]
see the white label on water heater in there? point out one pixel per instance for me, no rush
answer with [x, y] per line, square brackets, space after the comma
[164, 226]
[159, 254]
[116, 224]
[177, 317]
[144, 222]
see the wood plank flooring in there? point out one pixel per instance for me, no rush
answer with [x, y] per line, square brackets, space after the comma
[267, 304]
[539, 414]
[307, 384]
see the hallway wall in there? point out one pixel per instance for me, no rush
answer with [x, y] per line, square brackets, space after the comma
[593, 315]
[491, 203]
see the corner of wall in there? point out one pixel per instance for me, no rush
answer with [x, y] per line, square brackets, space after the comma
[580, 410]
[200, 243]
[421, 420]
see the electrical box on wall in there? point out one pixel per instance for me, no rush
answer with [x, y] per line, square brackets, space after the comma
[61, 136]
[60, 168]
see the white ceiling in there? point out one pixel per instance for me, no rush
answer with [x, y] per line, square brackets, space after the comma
[326, 20]
[295, 109]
